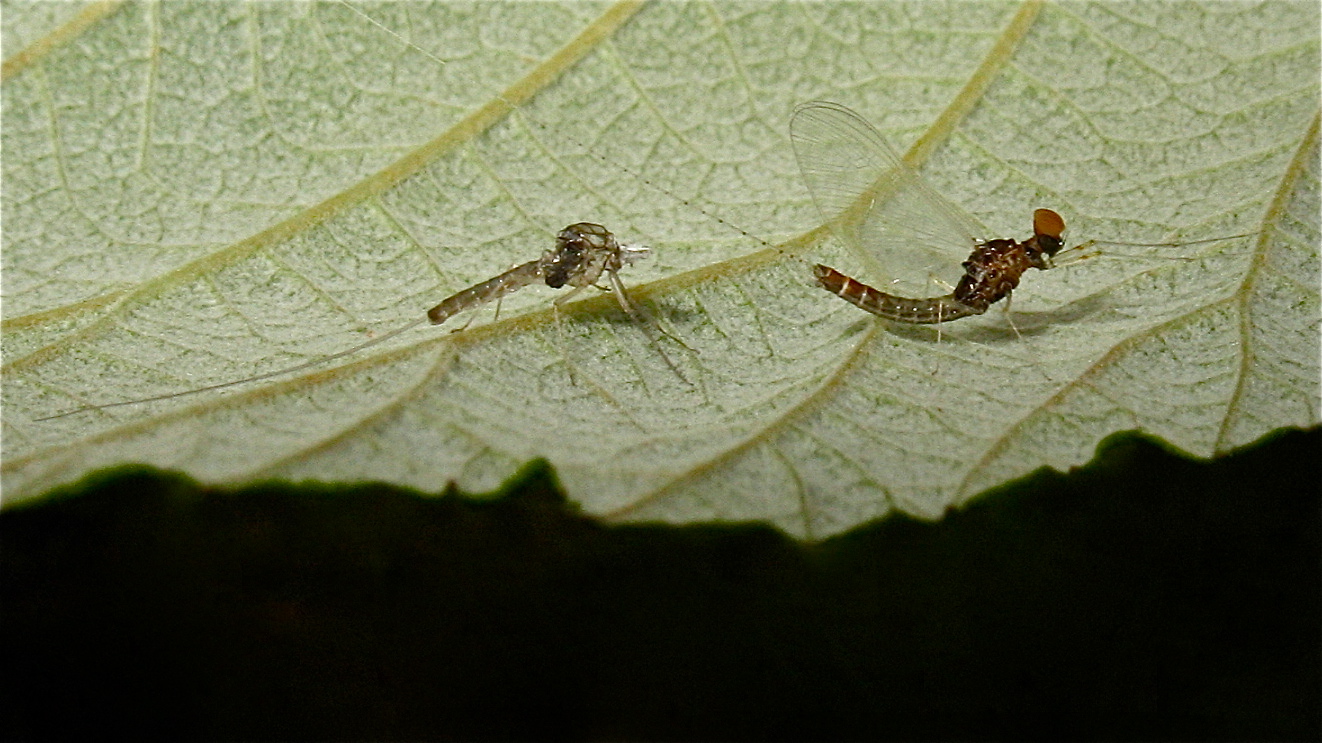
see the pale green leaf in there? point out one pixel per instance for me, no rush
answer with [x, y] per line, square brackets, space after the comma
[200, 192]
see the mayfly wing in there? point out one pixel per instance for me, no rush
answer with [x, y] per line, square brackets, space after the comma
[875, 202]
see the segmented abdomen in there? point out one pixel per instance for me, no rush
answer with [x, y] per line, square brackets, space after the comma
[901, 309]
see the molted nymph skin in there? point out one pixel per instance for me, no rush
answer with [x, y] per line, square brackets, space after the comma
[582, 252]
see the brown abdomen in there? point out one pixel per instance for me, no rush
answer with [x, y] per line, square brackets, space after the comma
[926, 311]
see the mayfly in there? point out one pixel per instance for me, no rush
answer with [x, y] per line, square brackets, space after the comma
[582, 254]
[870, 197]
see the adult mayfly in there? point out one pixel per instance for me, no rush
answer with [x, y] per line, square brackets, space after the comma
[581, 255]
[870, 197]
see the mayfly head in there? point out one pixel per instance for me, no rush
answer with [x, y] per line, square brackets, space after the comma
[1047, 240]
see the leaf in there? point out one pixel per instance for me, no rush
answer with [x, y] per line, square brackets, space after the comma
[200, 192]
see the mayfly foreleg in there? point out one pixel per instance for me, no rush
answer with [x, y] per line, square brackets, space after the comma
[1082, 252]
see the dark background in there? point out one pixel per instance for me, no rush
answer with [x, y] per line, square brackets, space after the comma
[1144, 597]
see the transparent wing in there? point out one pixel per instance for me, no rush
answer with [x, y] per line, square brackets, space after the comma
[875, 203]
